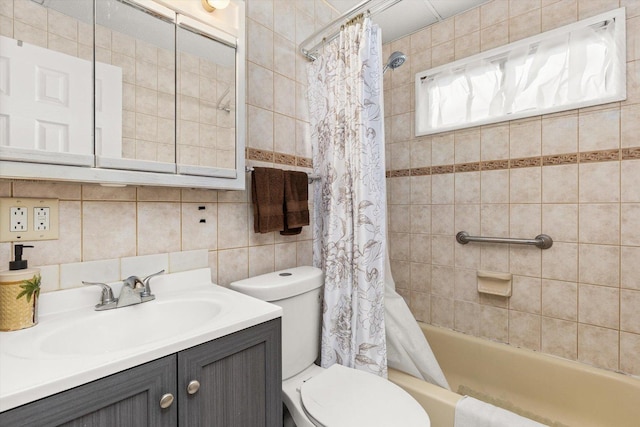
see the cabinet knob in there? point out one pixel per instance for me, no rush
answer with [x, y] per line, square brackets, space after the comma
[193, 387]
[166, 400]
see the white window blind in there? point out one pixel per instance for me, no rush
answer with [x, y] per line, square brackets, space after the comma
[575, 66]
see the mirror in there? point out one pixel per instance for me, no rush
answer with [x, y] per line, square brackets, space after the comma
[206, 103]
[135, 88]
[46, 81]
[144, 89]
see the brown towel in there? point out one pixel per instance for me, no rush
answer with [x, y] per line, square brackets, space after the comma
[267, 193]
[296, 206]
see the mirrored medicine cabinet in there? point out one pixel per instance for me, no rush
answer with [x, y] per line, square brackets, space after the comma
[141, 92]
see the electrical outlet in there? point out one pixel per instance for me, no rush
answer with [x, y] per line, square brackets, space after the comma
[41, 218]
[24, 220]
[18, 220]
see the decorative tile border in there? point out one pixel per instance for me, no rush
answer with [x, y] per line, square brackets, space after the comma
[304, 162]
[400, 172]
[278, 158]
[467, 167]
[259, 155]
[284, 159]
[526, 162]
[492, 165]
[421, 171]
[600, 156]
[631, 153]
[437, 170]
[560, 159]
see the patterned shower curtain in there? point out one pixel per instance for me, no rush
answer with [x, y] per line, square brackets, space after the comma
[347, 133]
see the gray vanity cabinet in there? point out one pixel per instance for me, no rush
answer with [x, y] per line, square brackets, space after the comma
[240, 380]
[127, 399]
[239, 384]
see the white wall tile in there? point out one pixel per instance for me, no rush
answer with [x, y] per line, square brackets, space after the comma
[599, 264]
[199, 226]
[103, 271]
[145, 265]
[599, 130]
[630, 267]
[630, 224]
[560, 299]
[50, 275]
[599, 223]
[525, 185]
[560, 134]
[525, 138]
[188, 260]
[598, 346]
[599, 305]
[600, 182]
[560, 184]
[158, 227]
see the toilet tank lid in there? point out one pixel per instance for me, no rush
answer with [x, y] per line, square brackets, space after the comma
[280, 284]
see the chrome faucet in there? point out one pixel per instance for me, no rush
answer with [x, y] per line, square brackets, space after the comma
[134, 291]
[129, 293]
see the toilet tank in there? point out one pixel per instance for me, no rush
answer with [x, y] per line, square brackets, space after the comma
[299, 292]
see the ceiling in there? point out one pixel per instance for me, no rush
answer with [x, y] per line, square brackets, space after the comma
[408, 16]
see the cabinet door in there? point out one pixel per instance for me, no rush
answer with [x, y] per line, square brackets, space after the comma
[46, 78]
[135, 91]
[126, 399]
[240, 380]
[206, 104]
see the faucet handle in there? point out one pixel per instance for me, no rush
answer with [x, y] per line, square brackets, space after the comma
[107, 297]
[146, 279]
[147, 288]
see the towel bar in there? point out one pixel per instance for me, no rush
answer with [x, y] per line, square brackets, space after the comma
[542, 241]
[312, 176]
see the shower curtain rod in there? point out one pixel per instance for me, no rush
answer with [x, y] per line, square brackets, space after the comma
[372, 7]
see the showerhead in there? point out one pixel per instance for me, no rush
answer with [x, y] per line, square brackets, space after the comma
[395, 60]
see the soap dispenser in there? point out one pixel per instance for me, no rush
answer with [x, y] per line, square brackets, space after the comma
[19, 290]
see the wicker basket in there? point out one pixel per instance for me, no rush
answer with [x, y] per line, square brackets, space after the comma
[16, 313]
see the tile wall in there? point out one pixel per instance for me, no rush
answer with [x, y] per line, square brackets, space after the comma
[104, 225]
[574, 175]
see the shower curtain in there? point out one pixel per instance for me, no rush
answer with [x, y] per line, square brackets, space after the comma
[345, 100]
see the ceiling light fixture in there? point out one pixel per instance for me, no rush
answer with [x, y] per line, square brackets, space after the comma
[211, 5]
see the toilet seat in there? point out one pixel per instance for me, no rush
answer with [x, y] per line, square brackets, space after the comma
[341, 397]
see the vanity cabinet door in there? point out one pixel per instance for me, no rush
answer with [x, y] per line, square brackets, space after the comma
[240, 380]
[127, 399]
[205, 104]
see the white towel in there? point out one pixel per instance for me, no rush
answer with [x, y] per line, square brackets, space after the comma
[472, 412]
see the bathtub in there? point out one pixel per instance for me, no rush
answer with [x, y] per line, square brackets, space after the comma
[545, 388]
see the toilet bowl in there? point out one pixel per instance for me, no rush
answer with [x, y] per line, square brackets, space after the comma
[337, 396]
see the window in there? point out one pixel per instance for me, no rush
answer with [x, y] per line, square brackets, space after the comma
[575, 66]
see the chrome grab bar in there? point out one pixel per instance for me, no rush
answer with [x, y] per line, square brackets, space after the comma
[541, 241]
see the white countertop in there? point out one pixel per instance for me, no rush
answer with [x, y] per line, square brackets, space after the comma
[28, 371]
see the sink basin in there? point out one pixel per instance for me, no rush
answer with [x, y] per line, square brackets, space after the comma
[110, 331]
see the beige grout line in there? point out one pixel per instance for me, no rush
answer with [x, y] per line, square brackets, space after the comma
[619, 239]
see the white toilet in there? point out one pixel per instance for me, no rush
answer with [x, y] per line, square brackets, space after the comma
[333, 397]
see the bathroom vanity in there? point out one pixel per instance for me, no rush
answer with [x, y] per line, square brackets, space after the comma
[215, 361]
